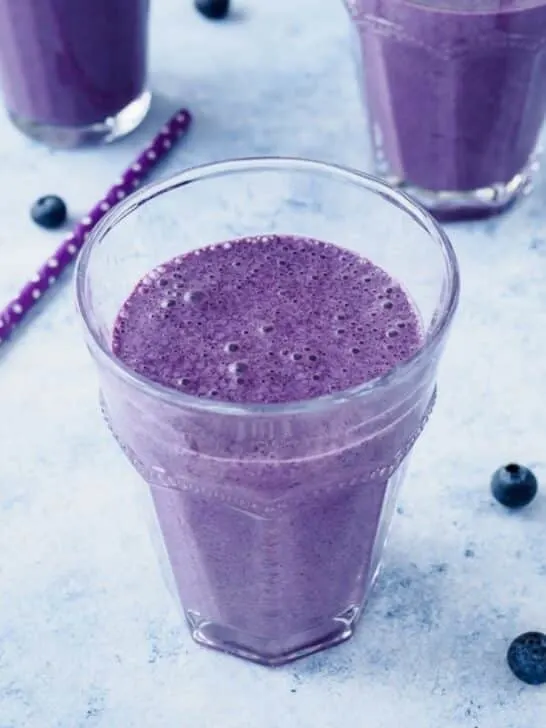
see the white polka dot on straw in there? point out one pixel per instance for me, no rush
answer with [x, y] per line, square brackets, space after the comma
[12, 314]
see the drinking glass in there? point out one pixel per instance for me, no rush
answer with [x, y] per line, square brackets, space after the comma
[73, 72]
[455, 95]
[272, 517]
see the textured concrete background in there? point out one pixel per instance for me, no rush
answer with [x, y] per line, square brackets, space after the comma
[88, 633]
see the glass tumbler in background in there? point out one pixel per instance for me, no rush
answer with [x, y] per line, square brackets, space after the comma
[274, 517]
[73, 72]
[455, 93]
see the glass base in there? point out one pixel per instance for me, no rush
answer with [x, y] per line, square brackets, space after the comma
[67, 137]
[448, 205]
[277, 652]
[271, 652]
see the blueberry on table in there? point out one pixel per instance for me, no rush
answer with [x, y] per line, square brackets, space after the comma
[213, 9]
[514, 485]
[49, 212]
[527, 658]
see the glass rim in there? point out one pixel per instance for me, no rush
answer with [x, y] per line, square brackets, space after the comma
[147, 193]
[466, 7]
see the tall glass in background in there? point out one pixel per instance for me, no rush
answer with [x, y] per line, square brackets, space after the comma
[455, 92]
[274, 517]
[73, 72]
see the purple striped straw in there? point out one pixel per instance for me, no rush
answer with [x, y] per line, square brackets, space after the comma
[16, 310]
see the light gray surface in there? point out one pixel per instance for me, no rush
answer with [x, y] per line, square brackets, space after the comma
[88, 634]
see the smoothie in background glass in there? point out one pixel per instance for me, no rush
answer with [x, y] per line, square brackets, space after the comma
[455, 91]
[268, 387]
[74, 71]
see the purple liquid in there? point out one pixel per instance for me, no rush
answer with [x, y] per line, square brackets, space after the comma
[266, 322]
[457, 95]
[72, 62]
[273, 529]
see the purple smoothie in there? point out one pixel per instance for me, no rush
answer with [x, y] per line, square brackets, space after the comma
[72, 63]
[456, 90]
[273, 528]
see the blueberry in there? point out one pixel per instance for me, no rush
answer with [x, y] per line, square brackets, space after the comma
[514, 485]
[49, 212]
[213, 9]
[527, 658]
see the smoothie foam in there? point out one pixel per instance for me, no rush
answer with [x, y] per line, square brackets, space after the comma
[272, 526]
[266, 320]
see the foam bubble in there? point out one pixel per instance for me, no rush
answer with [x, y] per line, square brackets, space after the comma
[238, 367]
[194, 296]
